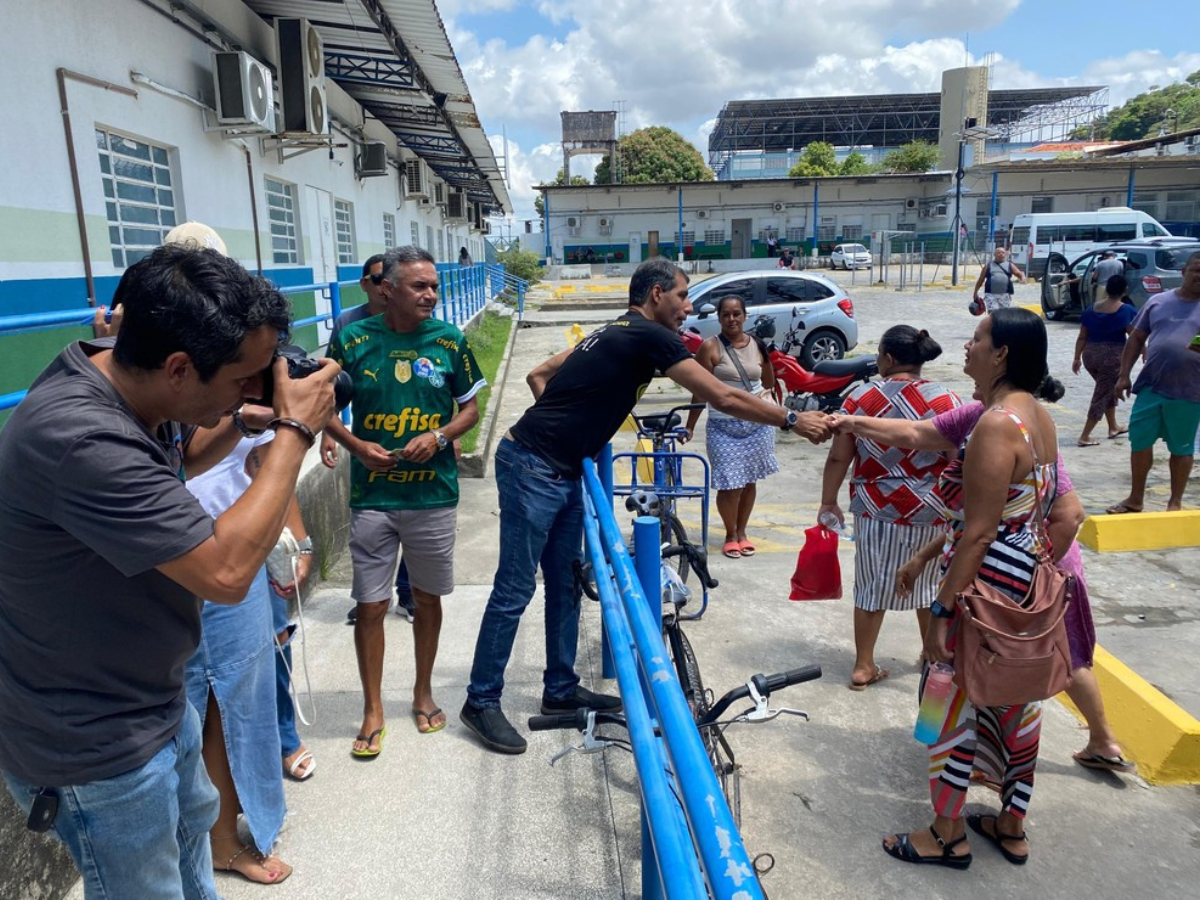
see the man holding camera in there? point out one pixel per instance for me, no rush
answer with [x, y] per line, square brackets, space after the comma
[415, 382]
[104, 553]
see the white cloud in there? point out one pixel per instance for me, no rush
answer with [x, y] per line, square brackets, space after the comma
[526, 169]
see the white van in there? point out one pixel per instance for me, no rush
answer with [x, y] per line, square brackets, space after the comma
[1035, 236]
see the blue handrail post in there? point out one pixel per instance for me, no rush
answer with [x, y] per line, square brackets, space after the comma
[647, 561]
[335, 299]
[604, 469]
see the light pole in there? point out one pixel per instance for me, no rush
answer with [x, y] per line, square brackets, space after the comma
[957, 225]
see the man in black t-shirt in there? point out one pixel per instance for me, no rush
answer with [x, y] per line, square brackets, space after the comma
[582, 396]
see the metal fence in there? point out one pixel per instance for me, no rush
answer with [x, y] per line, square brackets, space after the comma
[691, 847]
[463, 291]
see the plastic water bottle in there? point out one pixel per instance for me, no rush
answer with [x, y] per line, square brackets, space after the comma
[830, 521]
[934, 700]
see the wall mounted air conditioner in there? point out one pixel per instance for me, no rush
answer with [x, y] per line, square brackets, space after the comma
[778, 207]
[302, 77]
[702, 214]
[416, 180]
[572, 222]
[456, 206]
[372, 160]
[910, 203]
[245, 92]
[573, 232]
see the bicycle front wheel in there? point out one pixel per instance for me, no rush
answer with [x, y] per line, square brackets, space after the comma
[673, 533]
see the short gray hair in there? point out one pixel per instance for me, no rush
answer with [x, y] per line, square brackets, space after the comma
[399, 256]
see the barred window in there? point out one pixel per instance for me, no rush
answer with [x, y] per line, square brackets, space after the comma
[281, 211]
[852, 232]
[415, 232]
[689, 237]
[389, 230]
[343, 230]
[714, 236]
[1042, 205]
[795, 233]
[139, 196]
[827, 230]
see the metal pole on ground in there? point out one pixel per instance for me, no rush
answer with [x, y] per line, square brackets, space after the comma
[958, 177]
[604, 470]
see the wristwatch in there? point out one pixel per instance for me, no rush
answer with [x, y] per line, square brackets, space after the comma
[441, 439]
[940, 611]
[791, 420]
[305, 546]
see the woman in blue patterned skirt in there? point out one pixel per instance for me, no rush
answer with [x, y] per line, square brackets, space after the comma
[741, 453]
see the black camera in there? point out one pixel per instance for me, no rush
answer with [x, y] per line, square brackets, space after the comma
[299, 365]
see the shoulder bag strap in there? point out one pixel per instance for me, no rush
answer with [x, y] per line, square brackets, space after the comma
[729, 348]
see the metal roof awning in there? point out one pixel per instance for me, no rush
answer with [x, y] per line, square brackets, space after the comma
[394, 57]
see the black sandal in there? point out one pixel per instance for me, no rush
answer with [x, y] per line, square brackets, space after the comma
[998, 838]
[904, 851]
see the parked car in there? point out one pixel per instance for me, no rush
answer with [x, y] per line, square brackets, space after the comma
[850, 256]
[1151, 267]
[823, 307]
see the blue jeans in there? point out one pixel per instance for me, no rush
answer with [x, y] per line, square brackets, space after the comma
[285, 711]
[143, 833]
[541, 520]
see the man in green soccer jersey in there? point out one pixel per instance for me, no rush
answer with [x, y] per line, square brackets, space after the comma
[415, 382]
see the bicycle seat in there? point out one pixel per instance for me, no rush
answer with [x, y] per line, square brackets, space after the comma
[659, 424]
[855, 365]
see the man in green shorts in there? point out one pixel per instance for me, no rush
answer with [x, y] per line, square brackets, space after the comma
[1168, 387]
[415, 382]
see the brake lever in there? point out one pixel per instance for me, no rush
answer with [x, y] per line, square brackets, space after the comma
[762, 711]
[591, 743]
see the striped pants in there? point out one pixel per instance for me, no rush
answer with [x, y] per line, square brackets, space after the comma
[1001, 742]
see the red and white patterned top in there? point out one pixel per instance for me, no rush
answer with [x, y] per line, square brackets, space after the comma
[890, 484]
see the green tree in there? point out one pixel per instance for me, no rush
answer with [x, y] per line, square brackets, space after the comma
[855, 164]
[521, 263]
[1144, 115]
[816, 159]
[915, 156]
[539, 202]
[655, 155]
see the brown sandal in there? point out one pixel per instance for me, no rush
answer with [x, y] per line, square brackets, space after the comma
[261, 860]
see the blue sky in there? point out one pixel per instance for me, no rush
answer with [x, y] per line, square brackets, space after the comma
[676, 64]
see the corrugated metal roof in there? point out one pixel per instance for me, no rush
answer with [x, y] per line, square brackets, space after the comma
[394, 57]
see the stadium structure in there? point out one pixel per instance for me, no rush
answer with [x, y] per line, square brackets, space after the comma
[764, 138]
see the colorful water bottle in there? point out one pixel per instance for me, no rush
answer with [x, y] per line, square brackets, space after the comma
[934, 700]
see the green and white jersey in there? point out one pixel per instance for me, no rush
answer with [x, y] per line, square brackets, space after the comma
[405, 385]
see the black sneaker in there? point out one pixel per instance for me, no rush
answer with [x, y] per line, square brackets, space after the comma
[581, 699]
[491, 727]
[406, 606]
[352, 616]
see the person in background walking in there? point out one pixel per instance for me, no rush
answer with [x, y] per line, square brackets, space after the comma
[1102, 333]
[741, 453]
[889, 492]
[996, 279]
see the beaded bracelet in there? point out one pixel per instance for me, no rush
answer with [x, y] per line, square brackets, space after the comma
[298, 425]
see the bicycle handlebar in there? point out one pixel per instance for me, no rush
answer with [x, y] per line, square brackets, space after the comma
[697, 559]
[576, 719]
[764, 684]
[662, 423]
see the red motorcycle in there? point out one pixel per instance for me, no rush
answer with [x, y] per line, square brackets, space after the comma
[823, 389]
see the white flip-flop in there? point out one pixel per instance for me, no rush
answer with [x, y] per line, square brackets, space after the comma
[294, 769]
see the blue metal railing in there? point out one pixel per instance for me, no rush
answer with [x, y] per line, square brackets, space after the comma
[463, 291]
[503, 284]
[679, 788]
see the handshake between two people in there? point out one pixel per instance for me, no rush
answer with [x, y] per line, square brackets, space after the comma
[818, 427]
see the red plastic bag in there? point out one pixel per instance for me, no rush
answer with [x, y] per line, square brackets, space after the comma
[818, 574]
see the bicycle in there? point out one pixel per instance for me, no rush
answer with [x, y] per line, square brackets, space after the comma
[658, 496]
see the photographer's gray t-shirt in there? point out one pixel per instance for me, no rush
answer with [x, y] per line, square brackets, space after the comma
[93, 639]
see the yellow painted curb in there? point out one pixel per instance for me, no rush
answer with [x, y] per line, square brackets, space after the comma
[1034, 308]
[1142, 531]
[1155, 733]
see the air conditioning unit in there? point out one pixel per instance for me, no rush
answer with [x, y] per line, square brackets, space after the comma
[373, 160]
[702, 214]
[425, 201]
[940, 210]
[911, 203]
[245, 93]
[606, 224]
[572, 222]
[778, 207]
[416, 182]
[302, 77]
[456, 206]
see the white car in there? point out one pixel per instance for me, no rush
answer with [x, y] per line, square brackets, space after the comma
[850, 256]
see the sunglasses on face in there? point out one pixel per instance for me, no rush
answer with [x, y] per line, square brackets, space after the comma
[376, 279]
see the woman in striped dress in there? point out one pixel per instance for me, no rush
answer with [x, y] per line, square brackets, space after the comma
[1006, 358]
[890, 492]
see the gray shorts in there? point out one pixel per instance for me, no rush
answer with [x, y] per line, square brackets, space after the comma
[997, 301]
[427, 536]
